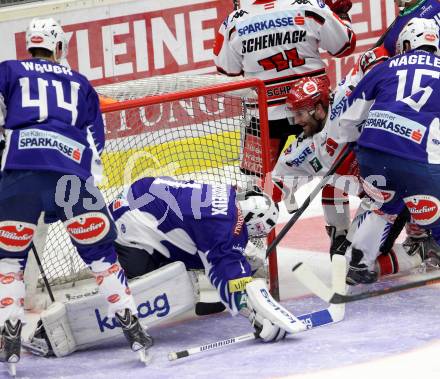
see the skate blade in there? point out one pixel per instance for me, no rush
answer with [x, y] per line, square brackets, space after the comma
[12, 369]
[144, 356]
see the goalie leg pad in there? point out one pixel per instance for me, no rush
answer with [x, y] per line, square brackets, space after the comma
[160, 296]
[268, 317]
[57, 328]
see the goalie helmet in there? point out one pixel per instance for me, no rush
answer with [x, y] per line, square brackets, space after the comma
[418, 32]
[260, 213]
[309, 91]
[47, 34]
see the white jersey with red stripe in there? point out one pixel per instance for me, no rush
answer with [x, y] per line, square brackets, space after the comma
[308, 157]
[278, 42]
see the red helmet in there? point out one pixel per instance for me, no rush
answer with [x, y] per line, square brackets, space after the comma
[309, 91]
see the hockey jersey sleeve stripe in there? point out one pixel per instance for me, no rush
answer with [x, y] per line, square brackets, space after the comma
[314, 16]
[349, 47]
[220, 70]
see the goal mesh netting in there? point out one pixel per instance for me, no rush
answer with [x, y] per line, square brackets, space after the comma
[186, 127]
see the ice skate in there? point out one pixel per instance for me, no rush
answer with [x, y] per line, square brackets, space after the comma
[39, 343]
[359, 273]
[11, 345]
[139, 340]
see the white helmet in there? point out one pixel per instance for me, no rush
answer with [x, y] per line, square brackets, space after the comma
[260, 213]
[418, 32]
[46, 33]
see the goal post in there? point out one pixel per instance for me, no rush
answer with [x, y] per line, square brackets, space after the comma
[187, 127]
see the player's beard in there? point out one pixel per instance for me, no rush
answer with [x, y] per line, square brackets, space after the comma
[312, 127]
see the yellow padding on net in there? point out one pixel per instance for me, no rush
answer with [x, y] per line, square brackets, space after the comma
[176, 157]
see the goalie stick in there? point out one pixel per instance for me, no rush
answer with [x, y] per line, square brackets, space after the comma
[306, 276]
[333, 314]
[312, 320]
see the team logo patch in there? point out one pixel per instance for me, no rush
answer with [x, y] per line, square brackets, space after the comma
[299, 19]
[113, 298]
[37, 39]
[6, 302]
[424, 209]
[7, 279]
[316, 164]
[239, 223]
[88, 228]
[379, 195]
[310, 88]
[16, 236]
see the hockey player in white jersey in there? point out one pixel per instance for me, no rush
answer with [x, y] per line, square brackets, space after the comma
[278, 42]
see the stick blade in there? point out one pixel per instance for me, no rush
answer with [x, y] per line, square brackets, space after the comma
[308, 278]
[339, 274]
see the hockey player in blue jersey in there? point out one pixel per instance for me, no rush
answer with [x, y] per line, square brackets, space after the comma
[418, 238]
[395, 118]
[161, 220]
[54, 137]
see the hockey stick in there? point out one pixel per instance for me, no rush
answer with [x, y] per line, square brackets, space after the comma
[311, 281]
[43, 274]
[333, 314]
[309, 199]
[312, 320]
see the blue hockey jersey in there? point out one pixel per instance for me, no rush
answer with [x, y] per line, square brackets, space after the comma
[51, 118]
[395, 108]
[198, 224]
[429, 9]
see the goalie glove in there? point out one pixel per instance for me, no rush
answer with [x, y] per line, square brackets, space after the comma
[340, 7]
[270, 320]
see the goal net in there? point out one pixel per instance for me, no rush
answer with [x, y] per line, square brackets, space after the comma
[187, 127]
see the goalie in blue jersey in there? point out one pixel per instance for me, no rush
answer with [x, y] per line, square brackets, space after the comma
[161, 220]
[51, 162]
[166, 227]
[395, 119]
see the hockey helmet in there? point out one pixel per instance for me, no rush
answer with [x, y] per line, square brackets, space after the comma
[260, 213]
[309, 91]
[371, 58]
[419, 32]
[46, 33]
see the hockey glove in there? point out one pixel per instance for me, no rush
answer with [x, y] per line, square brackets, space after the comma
[270, 320]
[340, 7]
